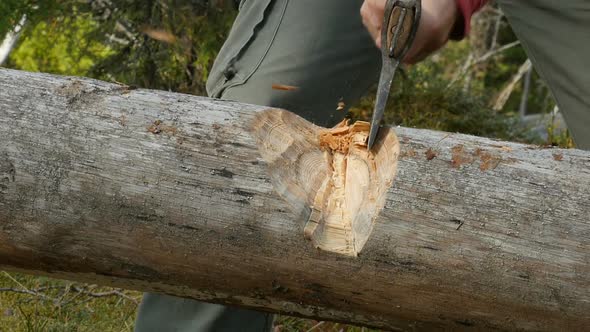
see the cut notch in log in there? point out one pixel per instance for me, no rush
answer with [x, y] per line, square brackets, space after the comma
[328, 176]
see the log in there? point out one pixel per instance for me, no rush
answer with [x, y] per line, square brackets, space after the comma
[171, 193]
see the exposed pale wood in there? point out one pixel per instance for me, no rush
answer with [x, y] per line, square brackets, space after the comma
[166, 192]
[334, 184]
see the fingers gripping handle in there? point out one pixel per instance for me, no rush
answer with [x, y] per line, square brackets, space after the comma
[401, 19]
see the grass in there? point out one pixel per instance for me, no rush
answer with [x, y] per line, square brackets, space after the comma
[40, 304]
[31, 304]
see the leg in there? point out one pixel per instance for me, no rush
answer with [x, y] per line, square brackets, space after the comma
[163, 313]
[319, 46]
[555, 35]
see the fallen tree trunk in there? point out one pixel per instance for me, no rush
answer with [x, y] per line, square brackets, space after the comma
[165, 192]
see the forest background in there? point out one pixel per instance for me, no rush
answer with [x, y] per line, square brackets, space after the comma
[483, 85]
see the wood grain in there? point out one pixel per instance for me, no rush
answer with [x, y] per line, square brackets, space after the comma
[158, 191]
[335, 185]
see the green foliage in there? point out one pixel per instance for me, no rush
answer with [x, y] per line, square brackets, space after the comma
[11, 11]
[60, 306]
[51, 305]
[99, 40]
[181, 65]
[558, 137]
[427, 101]
[425, 98]
[60, 47]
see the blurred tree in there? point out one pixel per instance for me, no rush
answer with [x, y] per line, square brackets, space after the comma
[424, 99]
[60, 47]
[167, 44]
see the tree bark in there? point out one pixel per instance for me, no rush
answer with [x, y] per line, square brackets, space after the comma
[165, 192]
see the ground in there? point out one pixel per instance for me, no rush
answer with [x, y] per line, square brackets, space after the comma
[35, 304]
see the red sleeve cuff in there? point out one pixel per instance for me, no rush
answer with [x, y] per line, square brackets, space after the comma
[466, 9]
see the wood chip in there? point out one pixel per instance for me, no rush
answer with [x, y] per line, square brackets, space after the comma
[159, 34]
[341, 136]
[284, 87]
[430, 154]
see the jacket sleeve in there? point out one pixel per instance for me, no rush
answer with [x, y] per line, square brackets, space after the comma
[466, 9]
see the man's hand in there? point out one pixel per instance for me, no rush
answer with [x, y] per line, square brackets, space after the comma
[437, 22]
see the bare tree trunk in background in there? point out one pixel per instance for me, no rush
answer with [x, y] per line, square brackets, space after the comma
[484, 45]
[503, 96]
[10, 40]
[525, 94]
[482, 39]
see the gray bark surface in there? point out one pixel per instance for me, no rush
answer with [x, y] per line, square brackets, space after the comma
[158, 191]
